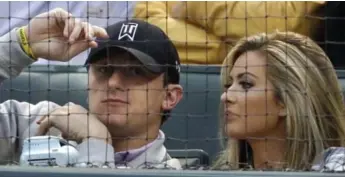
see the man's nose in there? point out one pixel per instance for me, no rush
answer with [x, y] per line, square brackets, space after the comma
[116, 82]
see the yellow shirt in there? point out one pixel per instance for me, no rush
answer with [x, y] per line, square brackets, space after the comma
[204, 32]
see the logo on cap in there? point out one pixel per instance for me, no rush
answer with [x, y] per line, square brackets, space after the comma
[129, 30]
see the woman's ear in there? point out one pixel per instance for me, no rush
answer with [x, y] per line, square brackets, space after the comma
[282, 110]
[173, 96]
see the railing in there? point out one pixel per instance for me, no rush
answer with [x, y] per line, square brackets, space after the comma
[11, 171]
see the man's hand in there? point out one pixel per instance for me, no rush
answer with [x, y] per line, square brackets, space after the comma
[57, 35]
[75, 124]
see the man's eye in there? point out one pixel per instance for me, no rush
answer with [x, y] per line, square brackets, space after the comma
[105, 70]
[101, 69]
[135, 72]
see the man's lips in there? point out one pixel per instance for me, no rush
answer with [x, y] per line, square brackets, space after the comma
[114, 101]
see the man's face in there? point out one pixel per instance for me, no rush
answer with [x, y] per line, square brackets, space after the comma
[125, 96]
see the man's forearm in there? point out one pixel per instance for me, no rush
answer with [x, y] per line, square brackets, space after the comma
[12, 57]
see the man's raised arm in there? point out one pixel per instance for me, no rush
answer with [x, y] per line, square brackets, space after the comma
[54, 35]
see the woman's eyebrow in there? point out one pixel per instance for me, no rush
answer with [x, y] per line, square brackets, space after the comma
[240, 75]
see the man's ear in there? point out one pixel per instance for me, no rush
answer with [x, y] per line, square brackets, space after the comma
[173, 95]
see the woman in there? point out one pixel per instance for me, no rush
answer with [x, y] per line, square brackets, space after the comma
[282, 105]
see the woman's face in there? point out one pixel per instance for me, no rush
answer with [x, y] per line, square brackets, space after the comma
[250, 106]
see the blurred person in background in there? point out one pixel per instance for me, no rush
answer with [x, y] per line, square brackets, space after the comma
[130, 96]
[283, 106]
[203, 32]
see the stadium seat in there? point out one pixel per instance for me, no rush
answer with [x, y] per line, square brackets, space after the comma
[341, 79]
[193, 124]
[329, 34]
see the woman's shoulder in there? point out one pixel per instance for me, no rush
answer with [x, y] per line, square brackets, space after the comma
[330, 160]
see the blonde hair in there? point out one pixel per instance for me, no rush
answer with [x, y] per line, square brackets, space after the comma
[305, 82]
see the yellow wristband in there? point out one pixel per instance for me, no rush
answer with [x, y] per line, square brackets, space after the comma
[25, 43]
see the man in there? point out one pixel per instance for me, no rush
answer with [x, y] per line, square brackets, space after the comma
[133, 86]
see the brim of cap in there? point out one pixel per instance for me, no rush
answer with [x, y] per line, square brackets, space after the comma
[145, 59]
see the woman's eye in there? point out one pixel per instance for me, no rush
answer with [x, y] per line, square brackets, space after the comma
[246, 85]
[226, 86]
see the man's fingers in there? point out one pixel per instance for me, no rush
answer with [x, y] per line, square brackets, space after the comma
[93, 44]
[88, 31]
[41, 119]
[48, 121]
[44, 127]
[74, 27]
[70, 25]
[70, 136]
[78, 26]
[60, 16]
[100, 32]
[92, 32]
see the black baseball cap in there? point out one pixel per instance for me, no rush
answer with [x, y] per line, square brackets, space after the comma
[146, 42]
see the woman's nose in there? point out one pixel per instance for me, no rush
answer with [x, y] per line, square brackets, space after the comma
[228, 96]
